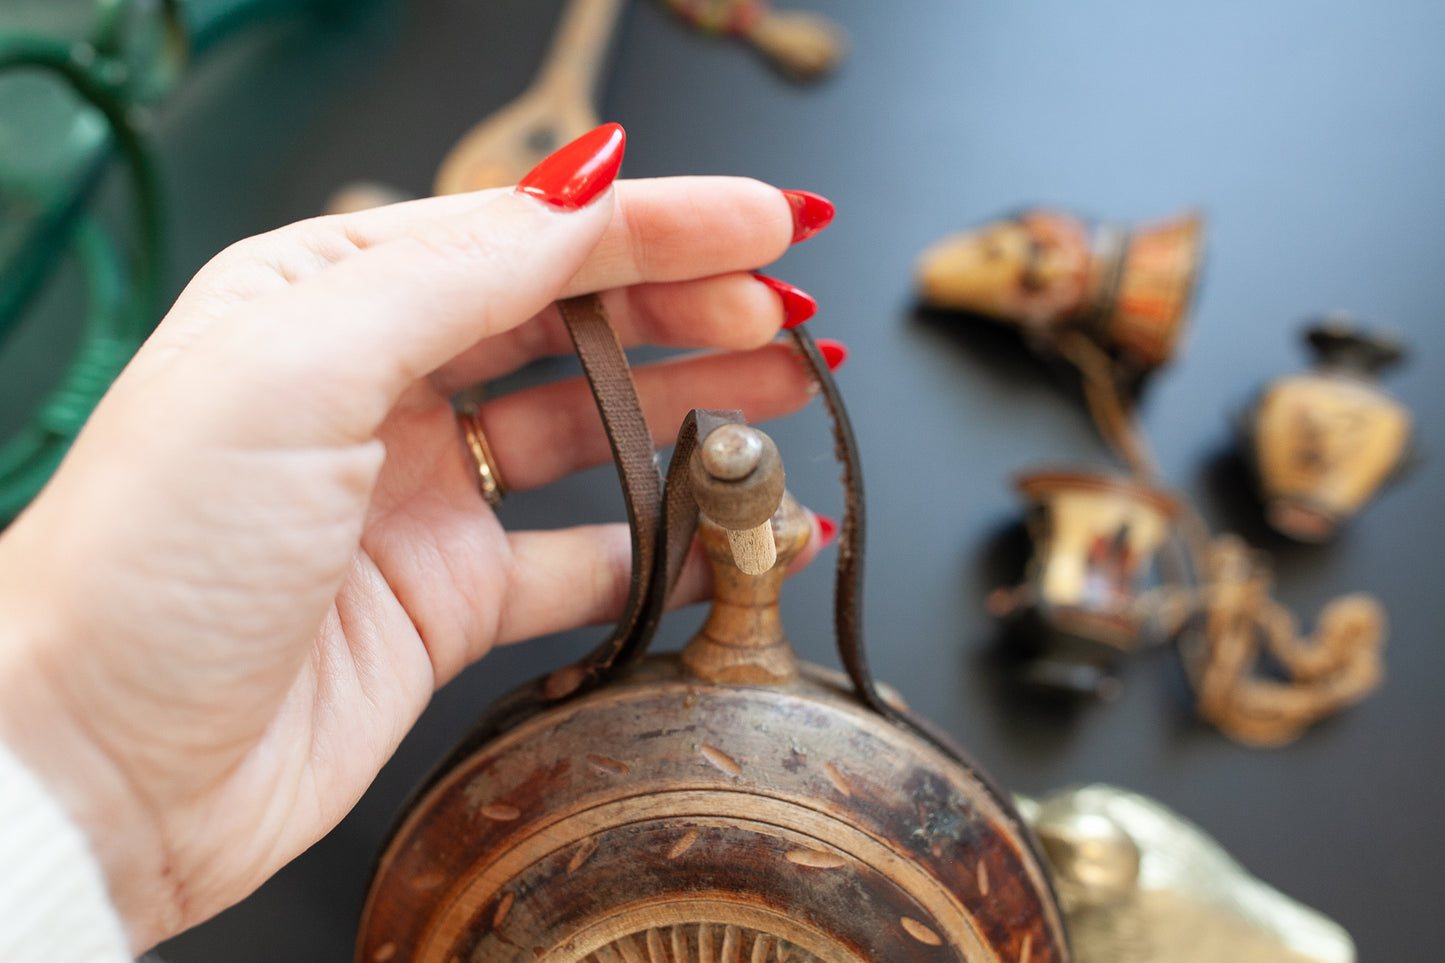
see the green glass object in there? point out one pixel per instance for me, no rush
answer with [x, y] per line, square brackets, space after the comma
[75, 79]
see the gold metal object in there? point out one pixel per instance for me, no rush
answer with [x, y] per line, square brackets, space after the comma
[1141, 884]
[489, 479]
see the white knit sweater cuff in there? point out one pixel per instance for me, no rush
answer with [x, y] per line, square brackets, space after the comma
[54, 907]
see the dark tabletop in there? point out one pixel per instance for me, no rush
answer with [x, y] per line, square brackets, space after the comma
[1312, 134]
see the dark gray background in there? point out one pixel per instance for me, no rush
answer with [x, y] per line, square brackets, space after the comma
[1312, 135]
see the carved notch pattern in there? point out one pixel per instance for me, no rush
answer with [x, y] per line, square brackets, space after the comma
[700, 943]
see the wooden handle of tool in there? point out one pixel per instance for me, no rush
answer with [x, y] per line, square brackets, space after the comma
[579, 48]
[805, 45]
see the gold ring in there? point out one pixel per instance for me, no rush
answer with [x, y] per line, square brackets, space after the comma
[489, 480]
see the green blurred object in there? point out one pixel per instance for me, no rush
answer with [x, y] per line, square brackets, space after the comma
[76, 79]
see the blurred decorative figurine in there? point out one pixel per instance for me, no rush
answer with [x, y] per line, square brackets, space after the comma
[1325, 441]
[1241, 627]
[1141, 884]
[1080, 611]
[805, 46]
[558, 106]
[1128, 290]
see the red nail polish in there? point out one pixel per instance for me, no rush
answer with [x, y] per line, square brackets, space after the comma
[827, 530]
[798, 305]
[811, 213]
[834, 352]
[575, 175]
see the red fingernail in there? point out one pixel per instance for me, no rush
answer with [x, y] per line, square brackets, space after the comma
[798, 305]
[575, 175]
[834, 352]
[827, 530]
[811, 213]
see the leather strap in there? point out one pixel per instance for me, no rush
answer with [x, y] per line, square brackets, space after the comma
[663, 525]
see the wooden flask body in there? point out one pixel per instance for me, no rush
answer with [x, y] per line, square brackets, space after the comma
[660, 813]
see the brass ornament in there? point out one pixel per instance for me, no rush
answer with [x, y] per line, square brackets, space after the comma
[1051, 274]
[1141, 884]
[1324, 442]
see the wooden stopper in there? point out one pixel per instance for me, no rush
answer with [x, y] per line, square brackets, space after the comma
[737, 479]
[754, 550]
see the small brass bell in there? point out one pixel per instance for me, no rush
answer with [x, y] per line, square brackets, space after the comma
[1324, 442]
[1047, 272]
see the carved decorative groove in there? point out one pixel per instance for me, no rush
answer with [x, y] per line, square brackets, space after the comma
[816, 859]
[384, 952]
[426, 881]
[585, 849]
[503, 908]
[683, 844]
[722, 760]
[836, 777]
[920, 932]
[1027, 950]
[700, 943]
[982, 878]
[500, 812]
[608, 766]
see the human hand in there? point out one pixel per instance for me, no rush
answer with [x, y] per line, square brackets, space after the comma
[266, 549]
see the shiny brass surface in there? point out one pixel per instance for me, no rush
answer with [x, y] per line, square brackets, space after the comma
[1141, 884]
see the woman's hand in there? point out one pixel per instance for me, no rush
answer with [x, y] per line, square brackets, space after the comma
[266, 550]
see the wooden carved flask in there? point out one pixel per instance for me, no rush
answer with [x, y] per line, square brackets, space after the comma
[725, 804]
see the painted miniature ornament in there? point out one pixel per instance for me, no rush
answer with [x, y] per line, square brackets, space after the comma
[1324, 442]
[1254, 677]
[1141, 884]
[1080, 612]
[806, 46]
[1049, 273]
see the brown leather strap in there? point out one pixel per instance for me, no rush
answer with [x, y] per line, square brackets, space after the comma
[662, 527]
[605, 364]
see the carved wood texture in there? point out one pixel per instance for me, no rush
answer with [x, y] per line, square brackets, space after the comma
[625, 825]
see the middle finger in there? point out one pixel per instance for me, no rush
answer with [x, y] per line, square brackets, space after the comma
[539, 435]
[729, 311]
